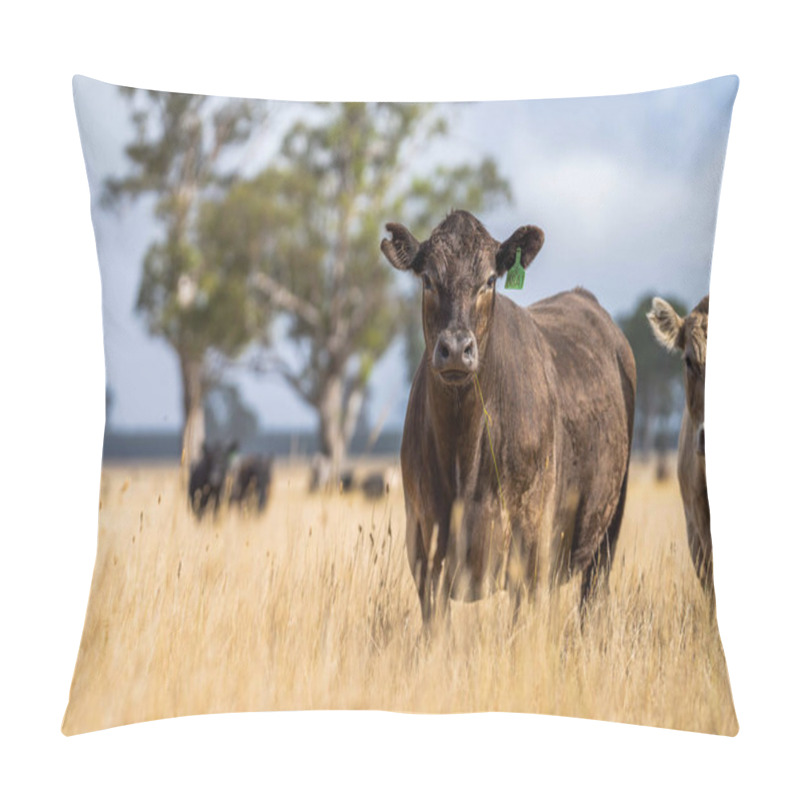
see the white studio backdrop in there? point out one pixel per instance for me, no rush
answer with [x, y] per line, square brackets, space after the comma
[52, 402]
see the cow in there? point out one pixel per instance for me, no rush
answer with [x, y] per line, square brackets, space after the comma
[347, 481]
[208, 476]
[518, 429]
[375, 485]
[252, 479]
[688, 336]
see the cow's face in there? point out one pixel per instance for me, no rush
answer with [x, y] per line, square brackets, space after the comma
[458, 266]
[688, 336]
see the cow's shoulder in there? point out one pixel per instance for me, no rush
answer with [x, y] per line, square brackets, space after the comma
[567, 313]
[586, 348]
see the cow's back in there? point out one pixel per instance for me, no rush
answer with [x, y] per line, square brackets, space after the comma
[592, 374]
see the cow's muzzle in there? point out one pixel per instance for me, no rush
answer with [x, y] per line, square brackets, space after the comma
[455, 358]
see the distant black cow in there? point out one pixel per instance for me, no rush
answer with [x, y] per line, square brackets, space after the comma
[252, 479]
[347, 480]
[207, 478]
[374, 485]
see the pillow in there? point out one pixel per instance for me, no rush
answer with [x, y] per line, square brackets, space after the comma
[469, 483]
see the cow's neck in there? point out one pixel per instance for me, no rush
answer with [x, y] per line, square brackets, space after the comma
[457, 417]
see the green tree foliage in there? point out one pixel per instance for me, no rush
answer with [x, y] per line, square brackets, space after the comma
[310, 225]
[659, 394]
[195, 301]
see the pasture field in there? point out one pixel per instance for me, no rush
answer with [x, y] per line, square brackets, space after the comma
[312, 606]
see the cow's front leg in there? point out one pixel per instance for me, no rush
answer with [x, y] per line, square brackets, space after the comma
[524, 568]
[426, 558]
[474, 563]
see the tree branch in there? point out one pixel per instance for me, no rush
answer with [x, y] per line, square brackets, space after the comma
[285, 299]
[274, 363]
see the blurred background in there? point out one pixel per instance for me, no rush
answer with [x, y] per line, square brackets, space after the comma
[245, 295]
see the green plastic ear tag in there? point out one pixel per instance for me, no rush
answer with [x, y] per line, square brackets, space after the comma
[515, 277]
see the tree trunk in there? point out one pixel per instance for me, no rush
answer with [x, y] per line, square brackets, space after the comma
[331, 432]
[194, 434]
[352, 409]
[338, 413]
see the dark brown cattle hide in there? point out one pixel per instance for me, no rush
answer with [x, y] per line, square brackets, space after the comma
[252, 480]
[689, 337]
[557, 381]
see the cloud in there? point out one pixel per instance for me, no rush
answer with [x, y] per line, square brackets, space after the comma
[624, 187]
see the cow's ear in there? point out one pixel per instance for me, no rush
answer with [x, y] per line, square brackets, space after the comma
[401, 249]
[529, 239]
[667, 325]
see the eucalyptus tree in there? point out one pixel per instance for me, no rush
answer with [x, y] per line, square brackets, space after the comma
[175, 157]
[309, 227]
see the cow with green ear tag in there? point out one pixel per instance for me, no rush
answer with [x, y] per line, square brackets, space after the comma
[518, 429]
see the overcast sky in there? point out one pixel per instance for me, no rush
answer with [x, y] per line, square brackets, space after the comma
[625, 188]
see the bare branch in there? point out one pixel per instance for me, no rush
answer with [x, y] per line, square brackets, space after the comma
[270, 362]
[285, 299]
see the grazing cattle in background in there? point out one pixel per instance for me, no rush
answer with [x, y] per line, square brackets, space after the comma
[688, 336]
[207, 477]
[375, 485]
[518, 429]
[347, 480]
[252, 479]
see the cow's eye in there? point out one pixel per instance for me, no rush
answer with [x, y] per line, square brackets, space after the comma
[491, 282]
[427, 283]
[688, 362]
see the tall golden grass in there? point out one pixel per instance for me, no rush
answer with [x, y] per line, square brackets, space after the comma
[312, 606]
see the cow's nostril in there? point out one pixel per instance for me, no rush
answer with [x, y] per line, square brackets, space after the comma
[468, 351]
[444, 351]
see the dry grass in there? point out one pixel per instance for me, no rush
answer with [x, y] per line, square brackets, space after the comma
[312, 606]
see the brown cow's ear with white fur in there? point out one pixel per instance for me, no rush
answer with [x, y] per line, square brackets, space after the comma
[666, 323]
[401, 249]
[529, 239]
